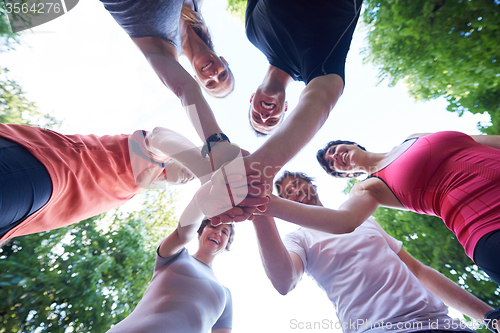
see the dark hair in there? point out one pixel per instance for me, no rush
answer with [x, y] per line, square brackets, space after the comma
[324, 164]
[287, 174]
[206, 222]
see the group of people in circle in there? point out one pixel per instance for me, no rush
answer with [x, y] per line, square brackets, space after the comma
[49, 180]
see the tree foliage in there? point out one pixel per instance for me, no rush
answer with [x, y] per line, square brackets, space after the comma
[84, 277]
[16, 108]
[7, 37]
[237, 8]
[439, 48]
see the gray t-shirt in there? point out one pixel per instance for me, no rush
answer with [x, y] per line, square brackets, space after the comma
[146, 18]
[370, 287]
[183, 296]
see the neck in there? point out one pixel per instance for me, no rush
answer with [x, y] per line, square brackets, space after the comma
[205, 257]
[275, 80]
[373, 162]
[191, 43]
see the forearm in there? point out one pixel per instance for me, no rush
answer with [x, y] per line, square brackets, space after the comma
[313, 109]
[186, 231]
[313, 217]
[189, 221]
[488, 140]
[275, 258]
[163, 59]
[198, 111]
[181, 149]
[452, 294]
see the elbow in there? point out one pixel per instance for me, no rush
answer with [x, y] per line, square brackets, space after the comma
[283, 289]
[350, 228]
[284, 286]
[186, 88]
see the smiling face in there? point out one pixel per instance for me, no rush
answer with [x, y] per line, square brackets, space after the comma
[266, 111]
[343, 157]
[215, 239]
[213, 74]
[298, 190]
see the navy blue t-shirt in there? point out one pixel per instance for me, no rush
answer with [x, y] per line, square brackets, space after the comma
[305, 38]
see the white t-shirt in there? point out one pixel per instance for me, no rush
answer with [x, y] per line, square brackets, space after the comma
[370, 287]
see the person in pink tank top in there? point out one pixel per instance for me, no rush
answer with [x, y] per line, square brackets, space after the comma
[446, 174]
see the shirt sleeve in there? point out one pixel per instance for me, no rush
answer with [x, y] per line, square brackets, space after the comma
[146, 165]
[226, 318]
[162, 262]
[295, 242]
[393, 243]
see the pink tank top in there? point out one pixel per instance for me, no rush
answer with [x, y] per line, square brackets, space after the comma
[90, 175]
[449, 175]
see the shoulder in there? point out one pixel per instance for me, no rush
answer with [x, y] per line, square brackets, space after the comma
[296, 234]
[417, 135]
[165, 261]
[368, 185]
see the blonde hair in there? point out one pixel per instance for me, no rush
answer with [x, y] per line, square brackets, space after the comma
[196, 21]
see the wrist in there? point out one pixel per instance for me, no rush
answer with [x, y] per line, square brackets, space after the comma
[211, 141]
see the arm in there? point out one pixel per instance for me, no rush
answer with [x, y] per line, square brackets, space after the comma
[316, 101]
[445, 289]
[189, 223]
[488, 140]
[162, 56]
[417, 135]
[283, 268]
[348, 217]
[181, 149]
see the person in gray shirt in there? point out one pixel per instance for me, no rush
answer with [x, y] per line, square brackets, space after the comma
[165, 29]
[184, 294]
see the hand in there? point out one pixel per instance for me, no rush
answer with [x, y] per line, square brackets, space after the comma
[251, 182]
[215, 200]
[262, 173]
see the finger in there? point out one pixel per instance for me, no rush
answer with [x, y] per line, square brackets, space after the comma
[254, 178]
[262, 208]
[234, 211]
[226, 218]
[257, 190]
[215, 221]
[254, 202]
[242, 218]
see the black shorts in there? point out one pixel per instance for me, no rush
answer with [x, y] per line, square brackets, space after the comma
[25, 185]
[486, 254]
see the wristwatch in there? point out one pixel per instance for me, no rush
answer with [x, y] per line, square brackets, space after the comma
[212, 141]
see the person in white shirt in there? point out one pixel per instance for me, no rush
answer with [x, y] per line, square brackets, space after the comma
[373, 284]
